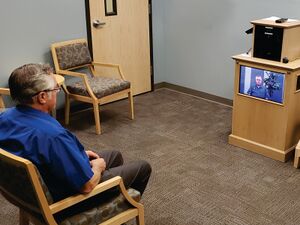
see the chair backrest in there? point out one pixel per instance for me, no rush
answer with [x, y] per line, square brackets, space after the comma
[3, 91]
[21, 184]
[71, 54]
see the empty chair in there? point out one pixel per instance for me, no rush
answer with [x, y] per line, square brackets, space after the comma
[91, 88]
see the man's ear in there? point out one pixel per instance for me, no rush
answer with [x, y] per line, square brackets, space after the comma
[42, 98]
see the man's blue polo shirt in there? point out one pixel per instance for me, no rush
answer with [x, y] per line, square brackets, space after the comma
[58, 155]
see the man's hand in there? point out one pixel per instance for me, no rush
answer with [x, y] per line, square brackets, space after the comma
[98, 164]
[92, 155]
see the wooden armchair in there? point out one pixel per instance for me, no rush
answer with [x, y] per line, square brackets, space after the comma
[22, 185]
[91, 88]
[3, 91]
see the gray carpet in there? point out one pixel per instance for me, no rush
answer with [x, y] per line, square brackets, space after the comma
[198, 178]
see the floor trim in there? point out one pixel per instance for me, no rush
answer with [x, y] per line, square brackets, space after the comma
[195, 93]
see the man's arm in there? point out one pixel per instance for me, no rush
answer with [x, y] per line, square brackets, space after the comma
[98, 166]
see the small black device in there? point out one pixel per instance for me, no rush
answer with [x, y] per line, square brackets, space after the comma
[285, 59]
[281, 20]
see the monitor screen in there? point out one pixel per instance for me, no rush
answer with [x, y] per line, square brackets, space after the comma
[260, 83]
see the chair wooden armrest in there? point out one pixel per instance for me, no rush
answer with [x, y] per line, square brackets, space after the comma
[117, 66]
[80, 75]
[101, 187]
[71, 73]
[4, 91]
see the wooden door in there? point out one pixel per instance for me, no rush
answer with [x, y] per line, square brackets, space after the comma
[120, 34]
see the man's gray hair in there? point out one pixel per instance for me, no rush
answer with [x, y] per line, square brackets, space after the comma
[29, 79]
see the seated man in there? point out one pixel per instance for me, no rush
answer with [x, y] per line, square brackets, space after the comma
[28, 130]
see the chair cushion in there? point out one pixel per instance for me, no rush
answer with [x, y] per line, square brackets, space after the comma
[101, 86]
[73, 55]
[103, 212]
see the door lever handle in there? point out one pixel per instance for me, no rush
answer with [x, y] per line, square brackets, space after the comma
[97, 23]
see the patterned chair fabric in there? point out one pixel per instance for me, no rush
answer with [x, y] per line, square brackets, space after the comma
[103, 212]
[73, 55]
[101, 86]
[20, 187]
[2, 110]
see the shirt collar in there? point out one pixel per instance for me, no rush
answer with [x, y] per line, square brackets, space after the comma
[35, 112]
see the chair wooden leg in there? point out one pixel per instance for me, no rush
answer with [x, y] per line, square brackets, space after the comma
[97, 117]
[296, 162]
[140, 219]
[130, 99]
[297, 155]
[24, 220]
[67, 109]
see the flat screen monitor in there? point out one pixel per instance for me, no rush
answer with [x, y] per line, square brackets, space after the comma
[262, 84]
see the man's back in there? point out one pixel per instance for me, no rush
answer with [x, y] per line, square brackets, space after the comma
[37, 136]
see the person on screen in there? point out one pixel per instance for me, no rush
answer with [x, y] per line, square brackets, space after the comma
[258, 90]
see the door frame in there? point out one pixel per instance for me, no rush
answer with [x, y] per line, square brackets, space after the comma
[89, 36]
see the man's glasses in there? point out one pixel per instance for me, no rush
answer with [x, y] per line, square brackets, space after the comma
[56, 89]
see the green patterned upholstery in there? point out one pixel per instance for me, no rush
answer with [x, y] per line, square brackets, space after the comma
[101, 86]
[16, 180]
[73, 55]
[103, 212]
[20, 185]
